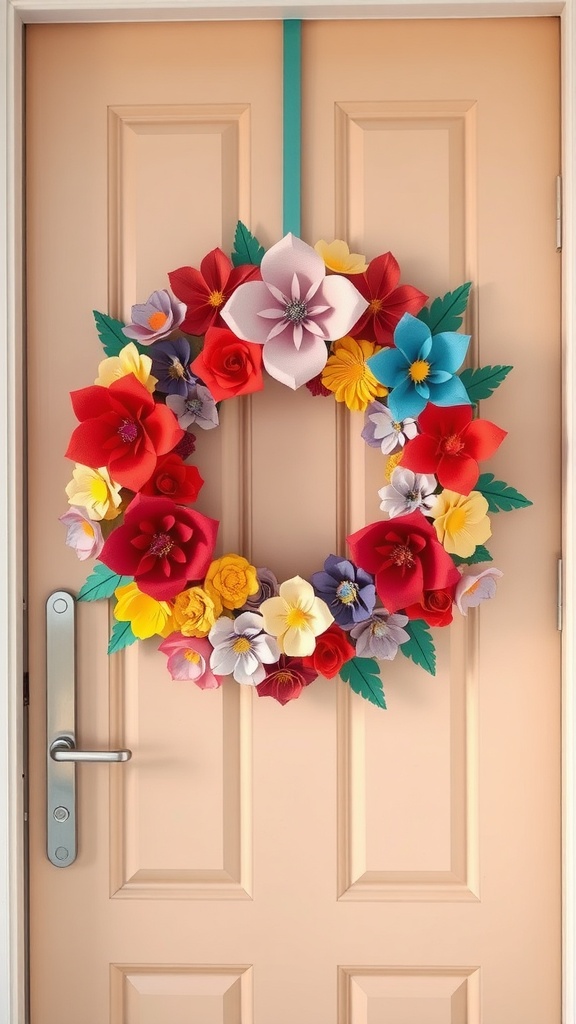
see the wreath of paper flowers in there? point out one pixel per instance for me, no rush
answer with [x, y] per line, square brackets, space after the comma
[323, 318]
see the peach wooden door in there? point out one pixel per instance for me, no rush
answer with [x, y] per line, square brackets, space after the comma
[327, 861]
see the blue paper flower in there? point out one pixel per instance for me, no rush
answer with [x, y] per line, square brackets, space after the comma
[348, 591]
[420, 368]
[170, 360]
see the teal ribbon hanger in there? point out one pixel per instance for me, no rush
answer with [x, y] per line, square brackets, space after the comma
[292, 127]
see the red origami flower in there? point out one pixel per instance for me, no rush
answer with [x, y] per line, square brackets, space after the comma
[406, 558]
[205, 291]
[450, 445]
[229, 366]
[122, 428]
[388, 301]
[162, 545]
[435, 607]
[172, 478]
[286, 679]
[333, 648]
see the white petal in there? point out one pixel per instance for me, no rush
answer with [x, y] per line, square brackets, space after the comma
[346, 302]
[292, 256]
[248, 620]
[222, 631]
[298, 593]
[241, 312]
[294, 368]
[223, 660]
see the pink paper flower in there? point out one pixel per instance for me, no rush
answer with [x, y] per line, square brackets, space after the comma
[156, 318]
[474, 588]
[293, 311]
[83, 534]
[189, 658]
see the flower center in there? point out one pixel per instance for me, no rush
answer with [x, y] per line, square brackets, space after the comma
[161, 545]
[402, 556]
[193, 405]
[98, 489]
[452, 444]
[375, 305]
[397, 427]
[128, 431]
[379, 629]
[192, 656]
[295, 311]
[89, 531]
[157, 320]
[455, 521]
[215, 299]
[176, 371]
[296, 618]
[241, 645]
[284, 678]
[346, 592]
[419, 370]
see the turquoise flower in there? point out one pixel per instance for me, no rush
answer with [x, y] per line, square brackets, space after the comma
[421, 368]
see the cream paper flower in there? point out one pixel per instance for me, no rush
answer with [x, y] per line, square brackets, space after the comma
[95, 491]
[296, 617]
[127, 361]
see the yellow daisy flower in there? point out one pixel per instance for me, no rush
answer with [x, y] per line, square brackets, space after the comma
[146, 616]
[337, 257]
[127, 361]
[461, 522]
[95, 491]
[348, 376]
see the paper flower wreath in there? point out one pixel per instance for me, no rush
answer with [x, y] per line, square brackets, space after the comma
[324, 318]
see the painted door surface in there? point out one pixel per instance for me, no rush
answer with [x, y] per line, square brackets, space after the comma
[326, 861]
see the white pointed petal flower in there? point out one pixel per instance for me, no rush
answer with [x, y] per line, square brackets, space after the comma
[347, 306]
[223, 629]
[241, 312]
[292, 256]
[266, 649]
[223, 660]
[298, 642]
[272, 314]
[298, 593]
[292, 368]
[246, 669]
[295, 290]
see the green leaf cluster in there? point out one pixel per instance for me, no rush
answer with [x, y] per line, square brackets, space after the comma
[247, 248]
[363, 676]
[446, 313]
[420, 647]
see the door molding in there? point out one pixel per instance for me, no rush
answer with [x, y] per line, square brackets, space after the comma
[14, 15]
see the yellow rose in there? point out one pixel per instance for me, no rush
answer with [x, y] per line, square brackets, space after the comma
[232, 579]
[195, 612]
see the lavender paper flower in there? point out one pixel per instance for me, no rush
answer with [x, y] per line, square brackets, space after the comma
[348, 591]
[156, 318]
[269, 587]
[170, 360]
[380, 635]
[197, 406]
[384, 432]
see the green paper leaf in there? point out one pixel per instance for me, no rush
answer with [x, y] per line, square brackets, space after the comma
[501, 497]
[482, 382]
[420, 647]
[481, 554]
[110, 333]
[247, 248]
[102, 583]
[445, 314]
[122, 636]
[363, 676]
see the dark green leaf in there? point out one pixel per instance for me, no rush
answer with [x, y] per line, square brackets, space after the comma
[481, 554]
[247, 248]
[110, 333]
[482, 382]
[420, 647]
[122, 636]
[102, 583]
[445, 314]
[501, 497]
[363, 676]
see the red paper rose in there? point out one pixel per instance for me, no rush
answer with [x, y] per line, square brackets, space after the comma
[206, 291]
[162, 545]
[333, 648]
[122, 428]
[405, 557]
[450, 445]
[435, 607]
[172, 478]
[388, 301]
[286, 679]
[229, 366]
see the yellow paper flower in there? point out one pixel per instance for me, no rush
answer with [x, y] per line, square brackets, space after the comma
[348, 376]
[296, 617]
[392, 461]
[145, 615]
[127, 361]
[461, 522]
[95, 491]
[232, 580]
[195, 612]
[337, 257]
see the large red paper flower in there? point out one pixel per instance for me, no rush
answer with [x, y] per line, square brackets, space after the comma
[286, 679]
[162, 545]
[451, 444]
[122, 428]
[435, 607]
[388, 301]
[172, 478]
[206, 291]
[229, 366]
[332, 650]
[405, 557]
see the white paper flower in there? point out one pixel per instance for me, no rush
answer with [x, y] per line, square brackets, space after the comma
[407, 492]
[197, 406]
[384, 432]
[472, 589]
[242, 648]
[82, 533]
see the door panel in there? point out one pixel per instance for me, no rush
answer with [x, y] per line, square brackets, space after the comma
[325, 861]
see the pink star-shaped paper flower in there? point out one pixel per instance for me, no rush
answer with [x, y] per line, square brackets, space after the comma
[293, 311]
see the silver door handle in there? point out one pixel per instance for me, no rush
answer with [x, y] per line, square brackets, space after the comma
[61, 752]
[64, 750]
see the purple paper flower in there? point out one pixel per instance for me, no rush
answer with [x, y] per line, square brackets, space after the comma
[269, 587]
[380, 635]
[348, 591]
[242, 648]
[83, 534]
[170, 360]
[155, 318]
[293, 311]
[384, 432]
[197, 406]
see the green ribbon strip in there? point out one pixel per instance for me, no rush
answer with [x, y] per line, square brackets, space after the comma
[292, 127]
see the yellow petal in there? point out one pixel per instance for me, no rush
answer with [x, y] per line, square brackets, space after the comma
[298, 643]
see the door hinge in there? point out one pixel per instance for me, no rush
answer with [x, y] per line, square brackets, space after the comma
[559, 596]
[559, 213]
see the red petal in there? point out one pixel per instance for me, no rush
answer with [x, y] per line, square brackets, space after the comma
[397, 588]
[442, 422]
[406, 299]
[421, 454]
[89, 443]
[483, 438]
[162, 428]
[239, 275]
[188, 285]
[458, 472]
[130, 470]
[382, 275]
[439, 569]
[90, 402]
[216, 268]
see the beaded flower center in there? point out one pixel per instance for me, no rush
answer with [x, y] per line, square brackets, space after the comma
[241, 645]
[296, 311]
[379, 629]
[176, 371]
[157, 320]
[194, 406]
[161, 545]
[419, 370]
[346, 592]
[402, 556]
[452, 444]
[128, 431]
[215, 299]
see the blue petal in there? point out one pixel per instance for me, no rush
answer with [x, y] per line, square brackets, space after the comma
[331, 563]
[452, 392]
[438, 377]
[421, 387]
[449, 350]
[412, 337]
[404, 401]
[388, 366]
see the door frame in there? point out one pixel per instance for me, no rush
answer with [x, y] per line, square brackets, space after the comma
[14, 15]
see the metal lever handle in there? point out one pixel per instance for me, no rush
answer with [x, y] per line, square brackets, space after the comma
[64, 750]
